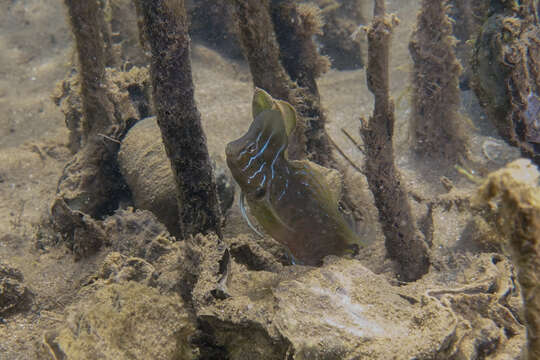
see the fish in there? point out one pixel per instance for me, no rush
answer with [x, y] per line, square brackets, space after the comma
[290, 199]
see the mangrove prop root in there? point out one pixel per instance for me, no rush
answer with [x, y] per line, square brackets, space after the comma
[87, 25]
[261, 49]
[277, 39]
[296, 25]
[90, 185]
[437, 127]
[166, 28]
[404, 243]
[467, 18]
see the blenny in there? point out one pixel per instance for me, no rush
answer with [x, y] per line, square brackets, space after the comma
[291, 200]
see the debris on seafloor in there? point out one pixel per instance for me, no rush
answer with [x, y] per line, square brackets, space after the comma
[136, 233]
[403, 241]
[512, 195]
[292, 200]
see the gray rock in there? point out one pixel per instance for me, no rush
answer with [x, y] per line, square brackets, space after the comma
[144, 164]
[344, 311]
[147, 171]
[339, 311]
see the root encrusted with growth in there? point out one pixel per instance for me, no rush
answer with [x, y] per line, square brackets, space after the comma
[506, 70]
[86, 24]
[165, 25]
[437, 127]
[283, 60]
[90, 185]
[295, 25]
[404, 243]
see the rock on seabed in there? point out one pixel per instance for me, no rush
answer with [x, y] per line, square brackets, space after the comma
[339, 311]
[126, 321]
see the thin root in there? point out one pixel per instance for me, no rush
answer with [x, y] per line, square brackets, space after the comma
[356, 167]
[358, 146]
[110, 138]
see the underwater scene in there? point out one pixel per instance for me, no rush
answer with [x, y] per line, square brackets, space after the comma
[270, 179]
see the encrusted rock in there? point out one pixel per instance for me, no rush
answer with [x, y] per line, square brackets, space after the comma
[137, 233]
[264, 310]
[120, 268]
[13, 293]
[505, 63]
[512, 195]
[339, 311]
[125, 321]
[261, 254]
